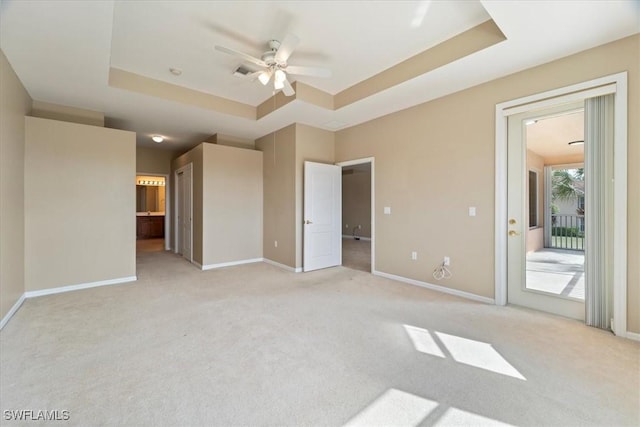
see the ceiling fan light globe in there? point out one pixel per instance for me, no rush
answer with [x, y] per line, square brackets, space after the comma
[280, 76]
[264, 77]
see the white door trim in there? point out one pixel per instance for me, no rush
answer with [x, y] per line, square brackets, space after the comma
[371, 160]
[167, 205]
[188, 168]
[616, 83]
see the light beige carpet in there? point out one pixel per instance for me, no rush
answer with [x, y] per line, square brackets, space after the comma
[356, 254]
[256, 345]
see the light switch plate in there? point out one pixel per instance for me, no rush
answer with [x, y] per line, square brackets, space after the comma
[387, 210]
[472, 211]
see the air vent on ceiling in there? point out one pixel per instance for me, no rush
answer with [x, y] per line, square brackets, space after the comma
[243, 71]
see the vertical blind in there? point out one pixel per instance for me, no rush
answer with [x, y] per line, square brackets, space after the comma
[598, 158]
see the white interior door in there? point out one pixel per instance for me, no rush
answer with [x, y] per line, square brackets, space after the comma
[184, 210]
[517, 291]
[322, 216]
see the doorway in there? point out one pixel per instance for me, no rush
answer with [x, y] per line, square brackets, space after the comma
[506, 229]
[152, 213]
[184, 212]
[546, 221]
[358, 196]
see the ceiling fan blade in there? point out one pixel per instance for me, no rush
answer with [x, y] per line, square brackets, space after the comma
[253, 76]
[288, 89]
[286, 48]
[244, 56]
[308, 71]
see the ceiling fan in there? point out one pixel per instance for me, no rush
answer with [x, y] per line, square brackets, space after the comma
[274, 64]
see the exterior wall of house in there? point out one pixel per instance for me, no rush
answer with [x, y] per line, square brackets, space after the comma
[535, 235]
[430, 169]
[15, 104]
[78, 230]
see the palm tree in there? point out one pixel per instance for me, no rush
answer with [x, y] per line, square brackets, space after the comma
[567, 184]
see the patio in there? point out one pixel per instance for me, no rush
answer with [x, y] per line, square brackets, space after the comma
[556, 271]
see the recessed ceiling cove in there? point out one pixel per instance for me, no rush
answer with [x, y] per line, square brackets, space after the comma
[355, 40]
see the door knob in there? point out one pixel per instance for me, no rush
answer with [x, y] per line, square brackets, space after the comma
[512, 221]
[308, 222]
[513, 233]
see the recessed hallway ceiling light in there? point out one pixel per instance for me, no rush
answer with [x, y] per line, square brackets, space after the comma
[175, 71]
[157, 138]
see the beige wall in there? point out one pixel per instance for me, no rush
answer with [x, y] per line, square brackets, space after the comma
[232, 203]
[75, 234]
[279, 193]
[314, 145]
[535, 236]
[284, 155]
[430, 169]
[15, 103]
[154, 160]
[356, 203]
[63, 113]
[195, 157]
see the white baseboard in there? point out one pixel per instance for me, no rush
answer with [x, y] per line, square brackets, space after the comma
[633, 336]
[229, 264]
[366, 239]
[51, 291]
[11, 312]
[438, 288]
[283, 266]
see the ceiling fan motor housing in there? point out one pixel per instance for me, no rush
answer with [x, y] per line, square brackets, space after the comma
[270, 56]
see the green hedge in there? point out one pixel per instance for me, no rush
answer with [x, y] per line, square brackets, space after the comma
[566, 231]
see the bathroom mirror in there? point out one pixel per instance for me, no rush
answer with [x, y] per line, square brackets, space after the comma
[150, 198]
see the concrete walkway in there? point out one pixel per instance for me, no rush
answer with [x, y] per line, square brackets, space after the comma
[556, 271]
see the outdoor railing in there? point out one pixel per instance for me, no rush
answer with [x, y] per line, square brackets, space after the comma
[567, 232]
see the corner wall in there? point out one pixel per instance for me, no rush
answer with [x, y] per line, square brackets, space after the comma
[194, 156]
[15, 103]
[78, 230]
[232, 204]
[279, 193]
[313, 145]
[149, 160]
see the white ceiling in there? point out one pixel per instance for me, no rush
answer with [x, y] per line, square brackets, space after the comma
[62, 51]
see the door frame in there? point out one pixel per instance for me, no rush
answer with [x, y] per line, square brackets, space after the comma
[371, 160]
[188, 168]
[617, 84]
[167, 206]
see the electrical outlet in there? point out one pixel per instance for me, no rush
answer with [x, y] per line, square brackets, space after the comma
[414, 255]
[346, 226]
[275, 243]
[359, 227]
[447, 260]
